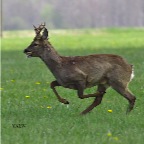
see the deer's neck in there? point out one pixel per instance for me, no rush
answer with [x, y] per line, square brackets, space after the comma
[51, 58]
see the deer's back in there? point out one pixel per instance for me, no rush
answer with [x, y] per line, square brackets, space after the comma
[101, 62]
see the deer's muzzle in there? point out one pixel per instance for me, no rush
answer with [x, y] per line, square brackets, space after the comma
[28, 53]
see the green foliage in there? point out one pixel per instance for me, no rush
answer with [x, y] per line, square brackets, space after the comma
[21, 14]
[28, 99]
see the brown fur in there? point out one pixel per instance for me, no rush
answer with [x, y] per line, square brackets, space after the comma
[81, 72]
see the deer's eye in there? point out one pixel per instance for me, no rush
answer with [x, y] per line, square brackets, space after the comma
[35, 44]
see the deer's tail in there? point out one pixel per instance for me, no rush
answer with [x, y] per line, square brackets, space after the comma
[132, 73]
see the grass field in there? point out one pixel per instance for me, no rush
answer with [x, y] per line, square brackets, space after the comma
[27, 97]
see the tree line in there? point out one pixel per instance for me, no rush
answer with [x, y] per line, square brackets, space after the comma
[21, 14]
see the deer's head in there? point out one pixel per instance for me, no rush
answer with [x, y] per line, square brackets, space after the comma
[39, 44]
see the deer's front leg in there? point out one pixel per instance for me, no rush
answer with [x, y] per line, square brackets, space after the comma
[81, 95]
[53, 85]
[98, 97]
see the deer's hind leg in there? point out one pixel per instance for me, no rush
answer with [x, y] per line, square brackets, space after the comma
[53, 85]
[98, 98]
[122, 89]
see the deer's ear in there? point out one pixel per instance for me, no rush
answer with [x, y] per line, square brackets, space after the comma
[45, 34]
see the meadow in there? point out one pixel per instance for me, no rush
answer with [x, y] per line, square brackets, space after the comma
[27, 99]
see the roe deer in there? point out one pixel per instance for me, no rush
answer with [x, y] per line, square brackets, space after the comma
[81, 72]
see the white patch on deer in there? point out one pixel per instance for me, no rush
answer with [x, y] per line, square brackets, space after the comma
[132, 74]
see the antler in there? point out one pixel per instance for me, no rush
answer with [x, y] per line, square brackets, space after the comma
[39, 29]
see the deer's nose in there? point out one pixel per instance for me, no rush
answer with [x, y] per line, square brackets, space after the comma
[25, 51]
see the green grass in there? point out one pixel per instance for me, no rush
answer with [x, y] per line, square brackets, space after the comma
[59, 124]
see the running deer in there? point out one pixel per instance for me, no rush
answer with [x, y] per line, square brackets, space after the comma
[81, 72]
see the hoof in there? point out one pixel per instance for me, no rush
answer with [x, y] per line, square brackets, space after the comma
[64, 101]
[129, 109]
[83, 113]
